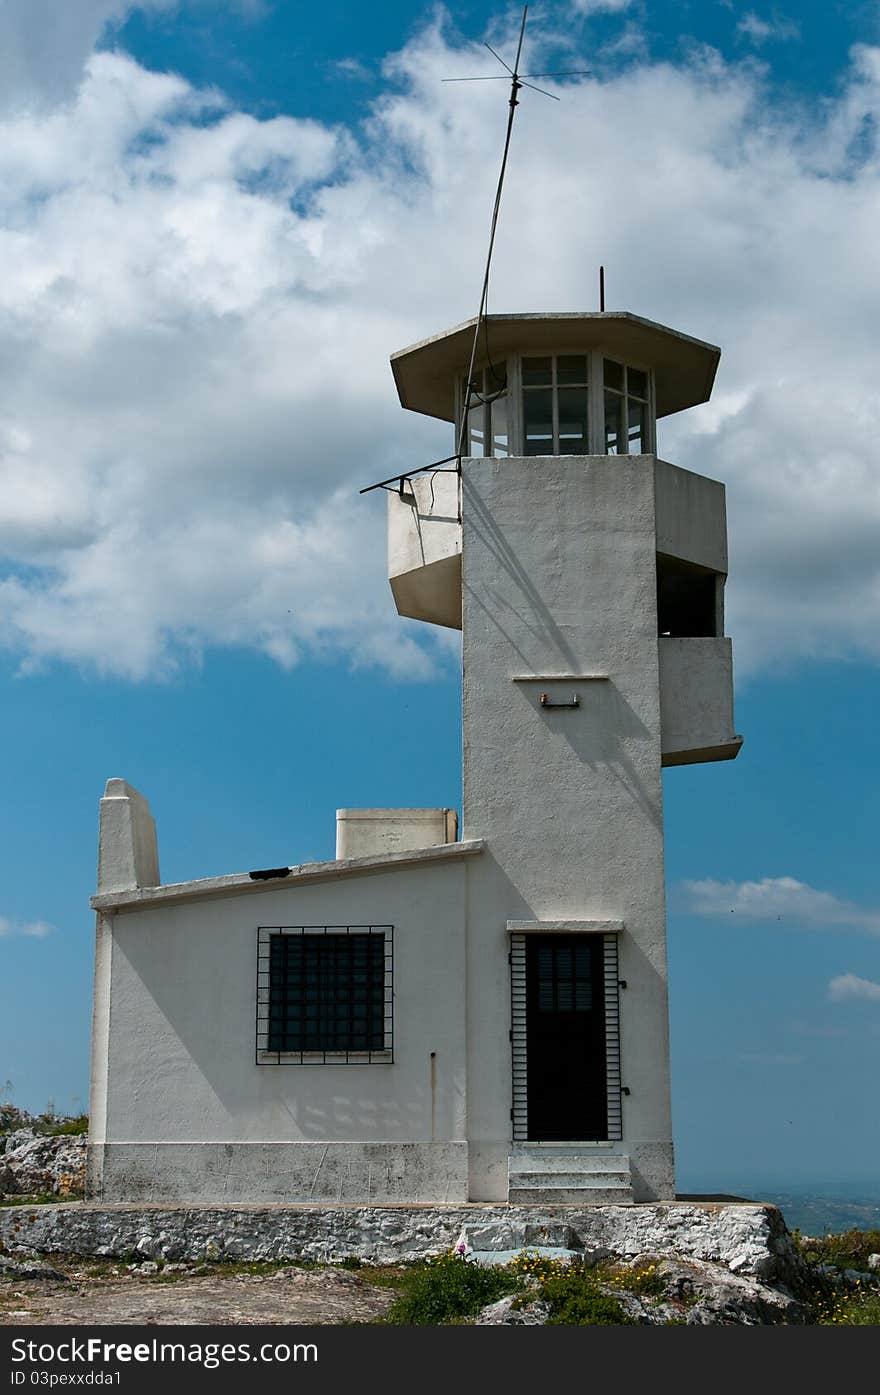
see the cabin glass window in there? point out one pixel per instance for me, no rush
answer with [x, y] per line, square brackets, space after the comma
[557, 404]
[555, 397]
[626, 409]
[488, 427]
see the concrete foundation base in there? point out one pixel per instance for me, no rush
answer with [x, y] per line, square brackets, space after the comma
[374, 1173]
[652, 1166]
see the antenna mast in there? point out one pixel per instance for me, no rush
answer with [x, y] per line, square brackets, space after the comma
[516, 84]
[518, 81]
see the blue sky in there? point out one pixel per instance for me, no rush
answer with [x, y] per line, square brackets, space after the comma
[218, 220]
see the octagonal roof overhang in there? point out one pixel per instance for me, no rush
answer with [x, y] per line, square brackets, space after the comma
[684, 368]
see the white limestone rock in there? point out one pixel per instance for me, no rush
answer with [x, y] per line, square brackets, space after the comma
[36, 1164]
[511, 1312]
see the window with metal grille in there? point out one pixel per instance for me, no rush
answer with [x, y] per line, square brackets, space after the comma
[324, 994]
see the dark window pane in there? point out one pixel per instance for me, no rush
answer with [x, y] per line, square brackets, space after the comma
[312, 992]
[613, 424]
[537, 372]
[538, 422]
[499, 428]
[571, 368]
[637, 383]
[613, 375]
[637, 428]
[476, 444]
[573, 421]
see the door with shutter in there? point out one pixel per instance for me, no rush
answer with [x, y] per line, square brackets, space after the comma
[565, 1035]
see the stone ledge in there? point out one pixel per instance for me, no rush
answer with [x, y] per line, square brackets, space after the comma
[750, 1239]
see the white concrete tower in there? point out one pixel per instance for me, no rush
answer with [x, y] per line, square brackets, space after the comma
[587, 576]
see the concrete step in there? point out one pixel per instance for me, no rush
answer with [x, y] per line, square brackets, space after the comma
[569, 1176]
[533, 1178]
[570, 1196]
[567, 1160]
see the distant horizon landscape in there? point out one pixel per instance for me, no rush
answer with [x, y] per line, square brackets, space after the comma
[818, 1208]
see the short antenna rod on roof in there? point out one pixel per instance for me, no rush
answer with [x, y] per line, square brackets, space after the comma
[602, 289]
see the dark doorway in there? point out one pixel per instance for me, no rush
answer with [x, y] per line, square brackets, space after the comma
[565, 1038]
[687, 599]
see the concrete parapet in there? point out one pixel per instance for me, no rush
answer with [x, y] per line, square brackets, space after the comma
[691, 517]
[424, 550]
[696, 700]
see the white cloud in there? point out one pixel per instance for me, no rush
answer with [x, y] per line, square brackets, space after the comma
[197, 310]
[758, 30]
[44, 45]
[849, 986]
[777, 898]
[33, 929]
[631, 43]
[352, 68]
[591, 7]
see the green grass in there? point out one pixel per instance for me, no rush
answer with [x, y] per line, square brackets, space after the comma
[849, 1249]
[862, 1312]
[58, 1128]
[577, 1293]
[837, 1305]
[47, 1125]
[41, 1199]
[447, 1289]
[576, 1300]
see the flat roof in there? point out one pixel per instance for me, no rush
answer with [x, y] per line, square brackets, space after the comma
[684, 368]
[241, 883]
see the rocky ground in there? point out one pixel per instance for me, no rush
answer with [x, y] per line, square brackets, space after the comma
[652, 1290]
[73, 1291]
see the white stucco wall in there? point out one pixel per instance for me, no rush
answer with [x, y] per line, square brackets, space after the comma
[190, 1115]
[559, 577]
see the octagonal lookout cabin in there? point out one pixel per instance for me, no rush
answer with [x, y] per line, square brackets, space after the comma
[433, 1017]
